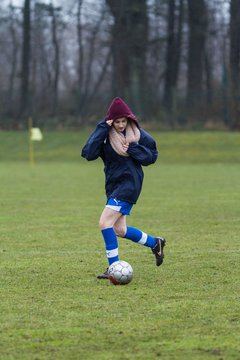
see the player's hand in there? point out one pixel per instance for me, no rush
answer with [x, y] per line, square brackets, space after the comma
[125, 147]
[109, 122]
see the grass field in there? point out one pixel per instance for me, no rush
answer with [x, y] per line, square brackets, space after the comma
[53, 307]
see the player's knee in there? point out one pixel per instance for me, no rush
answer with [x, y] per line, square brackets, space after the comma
[104, 224]
[120, 230]
[101, 224]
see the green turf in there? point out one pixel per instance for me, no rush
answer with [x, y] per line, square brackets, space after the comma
[179, 147]
[53, 307]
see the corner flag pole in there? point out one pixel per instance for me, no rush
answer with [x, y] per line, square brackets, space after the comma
[31, 149]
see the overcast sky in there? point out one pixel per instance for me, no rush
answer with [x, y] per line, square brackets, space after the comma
[17, 2]
[21, 2]
[65, 4]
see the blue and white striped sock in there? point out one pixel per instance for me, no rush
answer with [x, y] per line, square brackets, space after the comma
[111, 244]
[140, 237]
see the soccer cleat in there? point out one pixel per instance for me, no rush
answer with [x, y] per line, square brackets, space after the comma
[103, 275]
[158, 250]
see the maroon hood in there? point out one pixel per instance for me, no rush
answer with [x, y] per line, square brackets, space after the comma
[118, 109]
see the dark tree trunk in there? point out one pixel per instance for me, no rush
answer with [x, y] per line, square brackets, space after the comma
[80, 55]
[56, 61]
[197, 17]
[24, 98]
[208, 74]
[170, 56]
[173, 53]
[235, 63]
[13, 65]
[129, 47]
[178, 46]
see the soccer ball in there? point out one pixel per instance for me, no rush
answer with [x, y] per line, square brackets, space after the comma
[120, 273]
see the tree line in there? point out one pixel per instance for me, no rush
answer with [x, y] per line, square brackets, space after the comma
[176, 62]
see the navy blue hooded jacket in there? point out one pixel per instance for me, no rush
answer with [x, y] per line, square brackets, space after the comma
[123, 175]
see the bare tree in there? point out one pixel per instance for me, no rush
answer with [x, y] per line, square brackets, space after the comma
[13, 59]
[68, 62]
[173, 52]
[47, 31]
[26, 51]
[197, 17]
[235, 63]
[54, 13]
[93, 53]
[88, 83]
[80, 53]
[42, 55]
[129, 47]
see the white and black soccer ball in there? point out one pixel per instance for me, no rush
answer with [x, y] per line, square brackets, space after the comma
[120, 273]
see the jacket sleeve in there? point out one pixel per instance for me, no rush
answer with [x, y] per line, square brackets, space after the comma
[145, 151]
[93, 147]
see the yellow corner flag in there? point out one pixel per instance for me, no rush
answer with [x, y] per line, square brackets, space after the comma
[35, 134]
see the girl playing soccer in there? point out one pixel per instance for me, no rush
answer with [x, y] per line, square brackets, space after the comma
[124, 147]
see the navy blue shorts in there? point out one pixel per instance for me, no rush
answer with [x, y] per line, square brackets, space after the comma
[121, 206]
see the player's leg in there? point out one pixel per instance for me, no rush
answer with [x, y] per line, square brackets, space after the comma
[134, 234]
[155, 243]
[120, 226]
[106, 223]
[107, 220]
